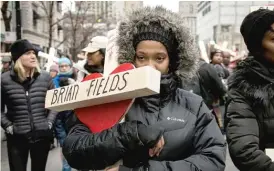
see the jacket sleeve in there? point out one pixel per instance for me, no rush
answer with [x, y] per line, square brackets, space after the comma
[209, 145]
[5, 122]
[51, 114]
[95, 151]
[243, 136]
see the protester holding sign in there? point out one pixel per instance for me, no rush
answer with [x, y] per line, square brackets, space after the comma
[27, 123]
[250, 128]
[177, 131]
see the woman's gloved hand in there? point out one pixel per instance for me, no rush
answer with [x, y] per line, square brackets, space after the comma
[152, 137]
[9, 130]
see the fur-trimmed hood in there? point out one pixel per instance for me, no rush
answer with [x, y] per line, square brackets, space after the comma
[187, 51]
[254, 80]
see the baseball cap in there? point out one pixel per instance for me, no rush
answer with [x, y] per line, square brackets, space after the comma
[96, 43]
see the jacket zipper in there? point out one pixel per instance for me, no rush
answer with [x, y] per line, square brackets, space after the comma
[29, 110]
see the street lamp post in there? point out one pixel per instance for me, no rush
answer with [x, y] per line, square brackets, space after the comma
[18, 20]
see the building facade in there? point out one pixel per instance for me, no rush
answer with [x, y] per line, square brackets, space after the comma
[8, 36]
[188, 9]
[35, 26]
[102, 11]
[121, 8]
[220, 21]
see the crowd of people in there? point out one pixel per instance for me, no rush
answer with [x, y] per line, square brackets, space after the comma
[206, 100]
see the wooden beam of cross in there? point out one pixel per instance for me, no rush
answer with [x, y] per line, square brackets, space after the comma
[50, 57]
[125, 85]
[53, 59]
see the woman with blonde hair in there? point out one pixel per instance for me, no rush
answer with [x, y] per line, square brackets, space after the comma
[27, 123]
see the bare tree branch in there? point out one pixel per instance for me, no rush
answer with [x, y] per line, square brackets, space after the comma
[43, 6]
[58, 21]
[79, 27]
[63, 41]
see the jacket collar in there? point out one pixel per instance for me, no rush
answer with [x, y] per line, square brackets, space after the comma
[255, 79]
[169, 84]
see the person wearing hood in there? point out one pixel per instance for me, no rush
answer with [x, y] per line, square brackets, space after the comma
[53, 71]
[173, 130]
[95, 54]
[27, 123]
[6, 62]
[250, 113]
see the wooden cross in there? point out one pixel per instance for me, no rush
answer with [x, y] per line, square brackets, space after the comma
[50, 57]
[130, 84]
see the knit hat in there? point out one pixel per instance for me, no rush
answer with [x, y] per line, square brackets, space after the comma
[64, 60]
[54, 68]
[253, 28]
[19, 47]
[154, 31]
[6, 59]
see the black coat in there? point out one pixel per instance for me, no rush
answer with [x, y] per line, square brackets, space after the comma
[250, 127]
[212, 87]
[206, 84]
[25, 104]
[193, 140]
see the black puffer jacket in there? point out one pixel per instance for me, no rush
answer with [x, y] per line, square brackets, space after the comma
[193, 140]
[250, 115]
[26, 104]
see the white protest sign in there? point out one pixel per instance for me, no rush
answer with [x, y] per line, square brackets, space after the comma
[270, 153]
[130, 84]
[203, 51]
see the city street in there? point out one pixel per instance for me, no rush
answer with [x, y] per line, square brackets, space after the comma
[54, 160]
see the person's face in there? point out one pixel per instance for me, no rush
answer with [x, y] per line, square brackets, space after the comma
[5, 65]
[29, 59]
[152, 53]
[226, 59]
[217, 58]
[64, 67]
[268, 45]
[95, 58]
[53, 74]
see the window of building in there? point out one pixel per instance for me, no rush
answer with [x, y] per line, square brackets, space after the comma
[191, 9]
[35, 16]
[59, 6]
[207, 10]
